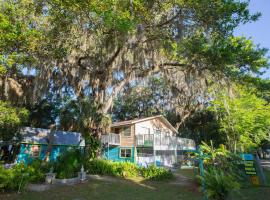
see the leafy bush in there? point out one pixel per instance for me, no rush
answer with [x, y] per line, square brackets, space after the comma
[223, 171]
[126, 169]
[219, 184]
[98, 166]
[20, 175]
[15, 178]
[107, 167]
[38, 169]
[155, 173]
[69, 164]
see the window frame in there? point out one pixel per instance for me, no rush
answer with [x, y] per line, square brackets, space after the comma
[125, 149]
[124, 131]
[32, 152]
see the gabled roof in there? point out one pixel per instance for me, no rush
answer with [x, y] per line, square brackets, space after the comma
[134, 121]
[41, 136]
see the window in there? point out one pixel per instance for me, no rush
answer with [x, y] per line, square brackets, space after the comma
[125, 153]
[35, 149]
[145, 152]
[127, 131]
[116, 130]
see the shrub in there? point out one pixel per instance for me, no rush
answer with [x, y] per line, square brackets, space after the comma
[69, 164]
[15, 178]
[155, 173]
[218, 184]
[107, 167]
[126, 169]
[38, 169]
[98, 166]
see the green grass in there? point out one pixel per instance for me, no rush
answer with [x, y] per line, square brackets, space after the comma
[135, 189]
[189, 173]
[116, 190]
[247, 193]
[253, 192]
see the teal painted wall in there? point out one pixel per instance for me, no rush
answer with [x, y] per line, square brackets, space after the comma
[25, 155]
[113, 153]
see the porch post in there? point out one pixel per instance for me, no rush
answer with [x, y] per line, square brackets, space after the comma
[154, 151]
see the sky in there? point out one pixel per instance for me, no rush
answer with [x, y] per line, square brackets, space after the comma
[258, 31]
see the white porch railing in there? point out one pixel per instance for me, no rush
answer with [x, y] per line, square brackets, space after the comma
[111, 138]
[146, 140]
[162, 141]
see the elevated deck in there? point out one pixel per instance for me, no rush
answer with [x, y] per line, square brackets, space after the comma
[111, 139]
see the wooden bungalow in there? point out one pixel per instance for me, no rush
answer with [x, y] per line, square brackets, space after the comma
[37, 142]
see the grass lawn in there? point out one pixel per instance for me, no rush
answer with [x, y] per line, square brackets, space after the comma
[254, 193]
[247, 193]
[189, 173]
[116, 190]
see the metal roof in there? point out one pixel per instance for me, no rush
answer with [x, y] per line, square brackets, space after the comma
[41, 136]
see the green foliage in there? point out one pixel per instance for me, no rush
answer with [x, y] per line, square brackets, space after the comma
[107, 167]
[155, 173]
[105, 44]
[219, 184]
[203, 126]
[244, 119]
[15, 178]
[69, 164]
[223, 171]
[20, 175]
[92, 146]
[127, 169]
[19, 34]
[221, 158]
[43, 114]
[37, 170]
[11, 119]
[142, 100]
[83, 116]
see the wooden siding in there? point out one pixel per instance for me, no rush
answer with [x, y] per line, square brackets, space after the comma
[128, 141]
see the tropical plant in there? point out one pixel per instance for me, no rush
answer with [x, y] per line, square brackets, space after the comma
[221, 158]
[156, 173]
[127, 169]
[219, 184]
[107, 167]
[223, 171]
[37, 170]
[16, 178]
[69, 164]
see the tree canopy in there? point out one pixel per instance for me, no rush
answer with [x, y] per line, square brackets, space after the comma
[245, 119]
[92, 51]
[11, 119]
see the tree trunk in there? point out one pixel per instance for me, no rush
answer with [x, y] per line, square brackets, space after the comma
[50, 143]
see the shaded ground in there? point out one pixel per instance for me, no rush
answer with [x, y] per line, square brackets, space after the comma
[111, 188]
[115, 188]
